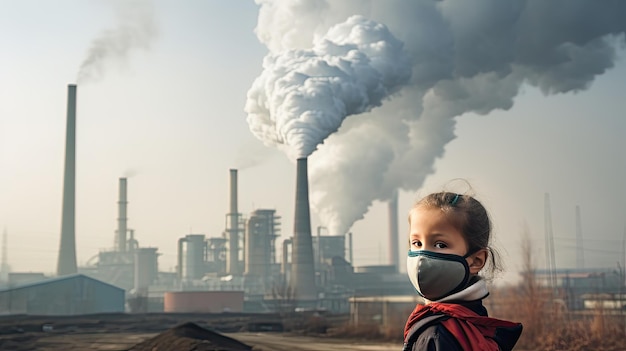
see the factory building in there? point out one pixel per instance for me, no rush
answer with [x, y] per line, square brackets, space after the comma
[262, 228]
[313, 271]
[382, 310]
[575, 287]
[73, 294]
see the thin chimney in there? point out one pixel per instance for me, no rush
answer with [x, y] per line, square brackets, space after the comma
[122, 218]
[232, 264]
[67, 252]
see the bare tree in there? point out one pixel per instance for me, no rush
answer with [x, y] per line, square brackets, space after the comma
[531, 304]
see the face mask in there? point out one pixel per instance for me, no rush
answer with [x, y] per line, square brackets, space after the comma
[436, 275]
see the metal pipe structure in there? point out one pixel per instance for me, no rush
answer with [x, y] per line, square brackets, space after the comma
[350, 248]
[394, 258]
[285, 264]
[232, 263]
[580, 254]
[122, 219]
[318, 258]
[302, 263]
[67, 252]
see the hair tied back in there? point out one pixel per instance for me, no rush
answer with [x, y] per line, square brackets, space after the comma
[454, 200]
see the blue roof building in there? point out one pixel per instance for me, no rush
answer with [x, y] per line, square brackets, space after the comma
[74, 294]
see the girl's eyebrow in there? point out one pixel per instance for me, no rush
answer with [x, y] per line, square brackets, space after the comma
[434, 235]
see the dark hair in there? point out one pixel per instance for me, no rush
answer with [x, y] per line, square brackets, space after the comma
[469, 216]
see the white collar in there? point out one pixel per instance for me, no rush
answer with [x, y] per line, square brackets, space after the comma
[476, 291]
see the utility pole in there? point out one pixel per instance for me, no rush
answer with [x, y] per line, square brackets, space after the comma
[549, 237]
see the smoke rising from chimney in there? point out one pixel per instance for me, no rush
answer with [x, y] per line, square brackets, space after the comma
[303, 96]
[249, 155]
[466, 58]
[136, 29]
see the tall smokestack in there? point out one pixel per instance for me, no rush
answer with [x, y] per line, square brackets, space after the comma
[394, 258]
[232, 264]
[122, 219]
[302, 265]
[67, 252]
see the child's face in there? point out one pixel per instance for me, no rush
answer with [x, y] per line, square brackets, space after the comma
[429, 229]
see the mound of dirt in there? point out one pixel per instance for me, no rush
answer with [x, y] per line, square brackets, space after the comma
[190, 337]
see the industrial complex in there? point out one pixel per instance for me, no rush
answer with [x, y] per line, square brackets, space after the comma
[244, 269]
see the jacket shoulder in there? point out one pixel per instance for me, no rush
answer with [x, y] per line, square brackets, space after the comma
[436, 338]
[429, 335]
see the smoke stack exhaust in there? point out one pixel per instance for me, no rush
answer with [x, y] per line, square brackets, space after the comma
[394, 258]
[122, 218]
[232, 264]
[302, 265]
[67, 252]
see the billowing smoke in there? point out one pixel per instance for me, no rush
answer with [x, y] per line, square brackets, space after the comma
[466, 57]
[136, 29]
[303, 96]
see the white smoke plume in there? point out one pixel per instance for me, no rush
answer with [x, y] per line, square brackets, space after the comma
[303, 96]
[466, 57]
[136, 29]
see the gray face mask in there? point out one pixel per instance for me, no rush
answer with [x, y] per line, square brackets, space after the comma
[436, 275]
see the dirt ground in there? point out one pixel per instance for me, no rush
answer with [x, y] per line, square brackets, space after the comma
[156, 331]
[125, 341]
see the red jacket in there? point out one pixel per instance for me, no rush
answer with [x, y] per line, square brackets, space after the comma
[471, 330]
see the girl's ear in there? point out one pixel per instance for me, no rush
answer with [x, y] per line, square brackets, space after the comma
[477, 261]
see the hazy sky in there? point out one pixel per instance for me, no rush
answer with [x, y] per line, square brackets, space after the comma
[166, 110]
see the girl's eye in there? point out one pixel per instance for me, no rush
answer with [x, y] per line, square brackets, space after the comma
[440, 245]
[416, 243]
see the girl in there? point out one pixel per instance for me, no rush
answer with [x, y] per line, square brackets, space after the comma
[449, 245]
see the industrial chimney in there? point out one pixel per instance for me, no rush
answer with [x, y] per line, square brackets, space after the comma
[122, 219]
[394, 258]
[302, 266]
[232, 263]
[67, 252]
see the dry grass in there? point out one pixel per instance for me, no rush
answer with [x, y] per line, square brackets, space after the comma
[548, 325]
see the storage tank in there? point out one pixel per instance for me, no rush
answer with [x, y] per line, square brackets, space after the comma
[146, 268]
[203, 301]
[191, 257]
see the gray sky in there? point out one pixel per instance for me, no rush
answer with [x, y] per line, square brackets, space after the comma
[167, 111]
